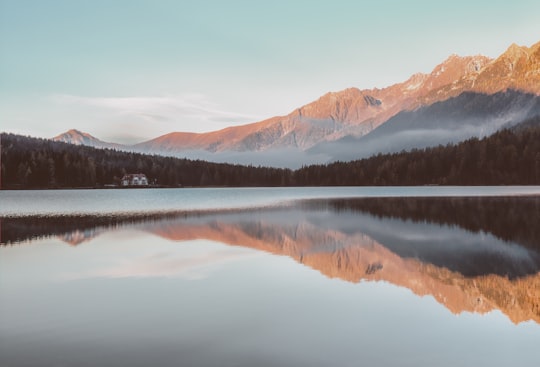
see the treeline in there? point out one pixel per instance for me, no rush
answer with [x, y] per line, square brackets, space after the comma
[509, 157]
[42, 163]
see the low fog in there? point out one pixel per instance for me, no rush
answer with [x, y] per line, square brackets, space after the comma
[466, 116]
[452, 121]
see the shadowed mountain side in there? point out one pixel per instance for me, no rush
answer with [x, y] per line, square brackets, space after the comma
[451, 121]
[354, 112]
[285, 157]
[355, 256]
[508, 157]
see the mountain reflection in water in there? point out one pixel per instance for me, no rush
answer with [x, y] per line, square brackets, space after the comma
[470, 254]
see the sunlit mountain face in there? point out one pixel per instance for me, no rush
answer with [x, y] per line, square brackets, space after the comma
[470, 254]
[473, 96]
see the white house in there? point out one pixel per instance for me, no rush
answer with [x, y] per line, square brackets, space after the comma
[134, 179]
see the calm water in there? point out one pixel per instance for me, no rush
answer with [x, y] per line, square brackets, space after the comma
[344, 277]
[61, 202]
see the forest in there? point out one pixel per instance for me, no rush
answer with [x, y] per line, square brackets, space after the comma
[509, 157]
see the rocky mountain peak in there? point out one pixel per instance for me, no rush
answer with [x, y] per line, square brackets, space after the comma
[78, 137]
[74, 136]
[455, 68]
[535, 49]
[517, 68]
[513, 56]
[515, 51]
[357, 112]
[340, 106]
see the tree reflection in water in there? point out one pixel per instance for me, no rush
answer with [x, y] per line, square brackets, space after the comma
[472, 254]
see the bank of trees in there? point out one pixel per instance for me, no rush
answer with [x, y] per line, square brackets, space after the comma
[41, 163]
[505, 158]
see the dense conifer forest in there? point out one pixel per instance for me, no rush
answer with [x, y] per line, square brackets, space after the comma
[41, 163]
[509, 157]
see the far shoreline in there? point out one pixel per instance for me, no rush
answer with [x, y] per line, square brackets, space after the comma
[14, 188]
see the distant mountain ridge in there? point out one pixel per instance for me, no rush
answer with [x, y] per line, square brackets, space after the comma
[77, 137]
[351, 113]
[456, 119]
[508, 157]
[334, 115]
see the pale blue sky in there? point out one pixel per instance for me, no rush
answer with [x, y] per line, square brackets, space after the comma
[131, 70]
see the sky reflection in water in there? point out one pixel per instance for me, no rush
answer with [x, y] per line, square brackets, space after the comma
[126, 294]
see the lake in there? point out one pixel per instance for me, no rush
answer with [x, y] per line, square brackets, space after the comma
[408, 276]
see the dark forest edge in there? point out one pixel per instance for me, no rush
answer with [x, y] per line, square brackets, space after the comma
[508, 157]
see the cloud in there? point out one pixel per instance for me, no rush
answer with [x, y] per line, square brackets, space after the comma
[172, 107]
[188, 112]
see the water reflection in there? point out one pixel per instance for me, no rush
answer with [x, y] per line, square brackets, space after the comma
[470, 254]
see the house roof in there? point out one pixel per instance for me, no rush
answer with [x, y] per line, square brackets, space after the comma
[134, 175]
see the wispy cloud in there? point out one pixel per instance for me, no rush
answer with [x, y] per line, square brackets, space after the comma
[135, 119]
[170, 108]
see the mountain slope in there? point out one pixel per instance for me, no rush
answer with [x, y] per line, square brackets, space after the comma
[354, 113]
[508, 157]
[456, 119]
[77, 137]
[334, 115]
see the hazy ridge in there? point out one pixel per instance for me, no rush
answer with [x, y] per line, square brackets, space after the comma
[483, 95]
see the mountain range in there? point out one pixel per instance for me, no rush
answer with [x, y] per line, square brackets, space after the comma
[462, 97]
